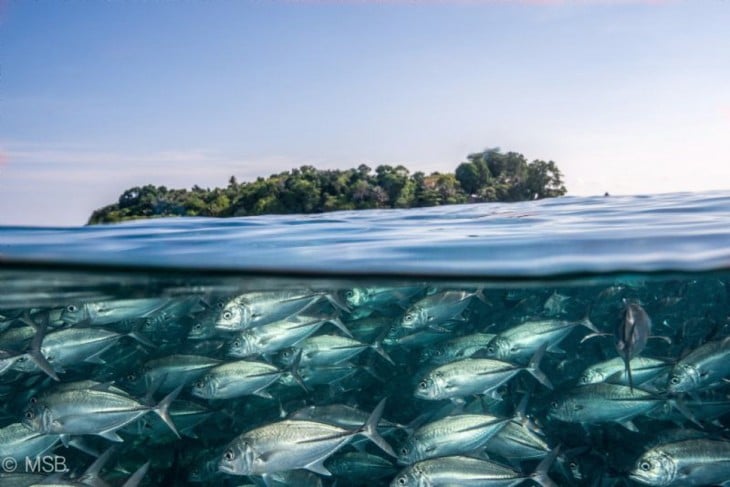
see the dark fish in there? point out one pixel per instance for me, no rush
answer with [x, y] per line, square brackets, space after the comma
[631, 335]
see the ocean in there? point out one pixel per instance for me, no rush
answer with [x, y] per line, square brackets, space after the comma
[577, 341]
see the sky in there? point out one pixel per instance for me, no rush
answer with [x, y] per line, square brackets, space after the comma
[629, 97]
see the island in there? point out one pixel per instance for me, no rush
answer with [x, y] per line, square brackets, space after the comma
[490, 175]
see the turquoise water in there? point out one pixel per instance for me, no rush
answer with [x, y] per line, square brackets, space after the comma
[140, 308]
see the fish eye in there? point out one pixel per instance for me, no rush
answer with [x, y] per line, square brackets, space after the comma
[22, 359]
[409, 317]
[349, 294]
[72, 308]
[674, 380]
[199, 384]
[33, 400]
[404, 451]
[402, 481]
[228, 455]
[572, 465]
[554, 405]
[645, 466]
[197, 326]
[491, 349]
[29, 414]
[236, 343]
[423, 384]
[227, 315]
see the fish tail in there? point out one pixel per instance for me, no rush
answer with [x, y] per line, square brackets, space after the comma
[141, 339]
[534, 367]
[137, 476]
[336, 301]
[162, 409]
[370, 429]
[35, 353]
[627, 366]
[541, 472]
[340, 325]
[293, 369]
[378, 346]
[586, 321]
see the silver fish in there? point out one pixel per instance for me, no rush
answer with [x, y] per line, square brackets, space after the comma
[453, 471]
[452, 435]
[475, 376]
[237, 379]
[259, 308]
[294, 444]
[96, 411]
[106, 312]
[644, 369]
[436, 309]
[684, 463]
[519, 343]
[456, 348]
[704, 366]
[603, 403]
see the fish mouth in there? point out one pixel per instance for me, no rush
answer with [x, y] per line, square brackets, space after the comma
[639, 478]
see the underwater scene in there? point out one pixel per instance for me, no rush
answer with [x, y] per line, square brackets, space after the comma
[574, 341]
[131, 378]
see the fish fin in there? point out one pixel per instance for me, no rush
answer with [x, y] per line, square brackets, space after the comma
[141, 338]
[594, 335]
[378, 346]
[111, 435]
[370, 429]
[661, 337]
[629, 425]
[162, 409]
[65, 440]
[337, 302]
[318, 467]
[340, 325]
[438, 329]
[627, 368]
[534, 367]
[556, 349]
[541, 472]
[684, 411]
[479, 294]
[96, 358]
[92, 473]
[137, 476]
[586, 321]
[35, 353]
[262, 393]
[293, 369]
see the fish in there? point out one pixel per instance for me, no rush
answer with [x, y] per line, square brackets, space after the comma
[272, 337]
[453, 435]
[452, 471]
[603, 403]
[94, 411]
[456, 348]
[475, 376]
[436, 309]
[704, 366]
[631, 335]
[684, 463]
[644, 369]
[519, 343]
[259, 308]
[295, 444]
[108, 312]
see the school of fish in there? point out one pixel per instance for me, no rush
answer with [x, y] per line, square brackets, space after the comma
[431, 384]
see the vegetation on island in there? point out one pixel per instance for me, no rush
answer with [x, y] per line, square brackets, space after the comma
[485, 176]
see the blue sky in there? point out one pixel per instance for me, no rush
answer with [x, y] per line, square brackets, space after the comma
[95, 97]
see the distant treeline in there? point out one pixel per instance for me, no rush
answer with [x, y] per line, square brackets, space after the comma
[486, 176]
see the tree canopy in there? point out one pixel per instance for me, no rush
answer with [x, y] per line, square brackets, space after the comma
[489, 175]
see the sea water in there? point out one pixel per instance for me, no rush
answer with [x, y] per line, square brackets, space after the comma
[473, 272]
